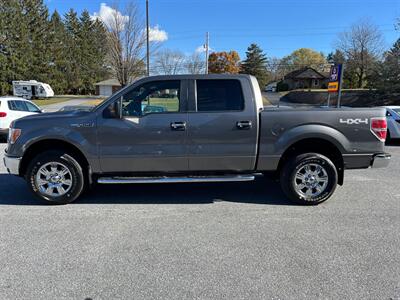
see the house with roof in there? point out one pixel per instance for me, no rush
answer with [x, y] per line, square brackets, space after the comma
[107, 87]
[305, 78]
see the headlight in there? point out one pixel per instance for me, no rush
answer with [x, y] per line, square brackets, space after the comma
[13, 135]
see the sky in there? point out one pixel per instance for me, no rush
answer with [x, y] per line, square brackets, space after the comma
[277, 26]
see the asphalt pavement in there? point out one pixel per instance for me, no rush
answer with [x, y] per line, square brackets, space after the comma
[204, 241]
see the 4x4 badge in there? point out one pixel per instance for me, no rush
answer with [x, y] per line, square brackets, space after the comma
[353, 121]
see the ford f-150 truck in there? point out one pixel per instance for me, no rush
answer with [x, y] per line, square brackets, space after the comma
[194, 128]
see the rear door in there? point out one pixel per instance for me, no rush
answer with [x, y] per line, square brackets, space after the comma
[222, 125]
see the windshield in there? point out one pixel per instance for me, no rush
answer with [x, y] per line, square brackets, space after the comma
[397, 111]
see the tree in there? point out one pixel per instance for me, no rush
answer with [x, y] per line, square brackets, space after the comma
[169, 62]
[336, 57]
[224, 62]
[73, 72]
[91, 35]
[301, 58]
[256, 64]
[194, 64]
[386, 75]
[362, 47]
[126, 40]
[57, 59]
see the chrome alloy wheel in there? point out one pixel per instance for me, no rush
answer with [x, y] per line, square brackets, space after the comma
[54, 179]
[310, 180]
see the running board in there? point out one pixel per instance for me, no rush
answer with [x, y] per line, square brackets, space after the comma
[164, 179]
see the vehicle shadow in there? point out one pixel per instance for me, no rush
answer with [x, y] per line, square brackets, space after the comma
[13, 191]
[393, 142]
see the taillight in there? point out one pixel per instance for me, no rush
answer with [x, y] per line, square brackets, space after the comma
[379, 128]
[3, 114]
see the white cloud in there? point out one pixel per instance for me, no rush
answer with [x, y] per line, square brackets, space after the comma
[107, 15]
[202, 48]
[157, 35]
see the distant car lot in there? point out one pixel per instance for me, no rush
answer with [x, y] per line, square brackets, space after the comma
[239, 240]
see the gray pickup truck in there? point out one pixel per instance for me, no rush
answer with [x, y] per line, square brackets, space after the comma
[194, 128]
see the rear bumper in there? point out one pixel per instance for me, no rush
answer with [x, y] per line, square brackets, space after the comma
[380, 161]
[364, 161]
[12, 164]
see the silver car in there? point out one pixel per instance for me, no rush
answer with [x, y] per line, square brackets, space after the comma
[393, 121]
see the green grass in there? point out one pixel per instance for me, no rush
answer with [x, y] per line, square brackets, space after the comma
[171, 104]
[44, 102]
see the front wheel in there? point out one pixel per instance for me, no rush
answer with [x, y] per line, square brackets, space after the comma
[309, 178]
[56, 177]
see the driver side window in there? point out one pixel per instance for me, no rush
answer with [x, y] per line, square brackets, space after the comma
[152, 97]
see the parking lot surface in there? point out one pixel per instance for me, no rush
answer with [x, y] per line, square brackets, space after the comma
[204, 241]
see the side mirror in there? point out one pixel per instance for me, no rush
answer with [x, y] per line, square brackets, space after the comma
[114, 110]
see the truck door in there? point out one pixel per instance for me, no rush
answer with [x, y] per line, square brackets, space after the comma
[151, 136]
[222, 125]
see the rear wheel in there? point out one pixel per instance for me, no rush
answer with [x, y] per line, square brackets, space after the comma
[309, 178]
[56, 177]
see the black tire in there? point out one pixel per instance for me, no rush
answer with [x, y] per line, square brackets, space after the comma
[75, 175]
[291, 186]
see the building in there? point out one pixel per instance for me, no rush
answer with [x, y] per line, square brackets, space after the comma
[107, 87]
[305, 78]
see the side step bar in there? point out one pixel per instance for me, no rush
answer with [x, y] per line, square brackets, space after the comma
[164, 179]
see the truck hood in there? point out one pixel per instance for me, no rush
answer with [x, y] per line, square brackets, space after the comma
[61, 116]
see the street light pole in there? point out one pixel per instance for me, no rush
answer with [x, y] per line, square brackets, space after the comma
[147, 39]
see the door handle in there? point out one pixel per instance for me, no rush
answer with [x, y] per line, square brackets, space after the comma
[243, 125]
[178, 126]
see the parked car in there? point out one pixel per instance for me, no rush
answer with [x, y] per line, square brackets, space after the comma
[393, 120]
[12, 108]
[271, 87]
[215, 129]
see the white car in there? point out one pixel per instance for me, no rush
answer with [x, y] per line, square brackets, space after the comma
[393, 121]
[12, 108]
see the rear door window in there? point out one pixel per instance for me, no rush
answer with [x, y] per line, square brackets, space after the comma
[17, 105]
[219, 95]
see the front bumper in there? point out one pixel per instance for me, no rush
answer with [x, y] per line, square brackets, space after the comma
[12, 164]
[380, 161]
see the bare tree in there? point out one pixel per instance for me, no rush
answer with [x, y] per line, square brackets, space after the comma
[126, 43]
[362, 47]
[195, 64]
[169, 62]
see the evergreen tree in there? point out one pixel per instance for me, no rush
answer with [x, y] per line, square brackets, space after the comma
[386, 77]
[38, 53]
[256, 64]
[91, 36]
[72, 53]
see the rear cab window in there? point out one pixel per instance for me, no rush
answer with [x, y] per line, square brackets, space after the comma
[219, 95]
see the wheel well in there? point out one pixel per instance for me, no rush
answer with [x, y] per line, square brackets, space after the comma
[53, 144]
[316, 145]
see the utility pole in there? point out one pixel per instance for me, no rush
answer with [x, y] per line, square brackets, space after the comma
[147, 39]
[207, 49]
